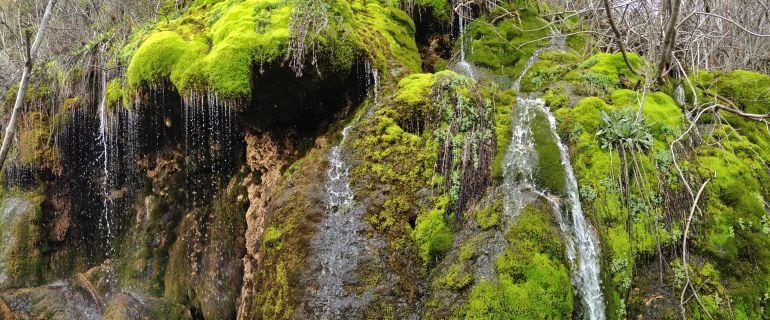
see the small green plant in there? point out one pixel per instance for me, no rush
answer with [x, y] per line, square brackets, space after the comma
[587, 193]
[625, 129]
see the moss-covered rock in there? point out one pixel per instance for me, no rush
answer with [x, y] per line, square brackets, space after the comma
[128, 306]
[533, 280]
[221, 47]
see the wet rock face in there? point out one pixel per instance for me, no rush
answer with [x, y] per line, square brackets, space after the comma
[14, 212]
[58, 301]
[131, 306]
[265, 157]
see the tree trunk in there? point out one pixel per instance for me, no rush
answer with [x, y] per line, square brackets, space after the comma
[618, 37]
[10, 129]
[668, 42]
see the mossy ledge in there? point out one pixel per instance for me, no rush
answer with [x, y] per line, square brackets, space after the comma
[222, 47]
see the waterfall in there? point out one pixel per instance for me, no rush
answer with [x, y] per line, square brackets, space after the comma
[373, 80]
[340, 241]
[520, 159]
[338, 184]
[581, 239]
[209, 132]
[679, 95]
[582, 243]
[558, 41]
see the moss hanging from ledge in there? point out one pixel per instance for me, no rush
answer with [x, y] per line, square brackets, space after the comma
[217, 47]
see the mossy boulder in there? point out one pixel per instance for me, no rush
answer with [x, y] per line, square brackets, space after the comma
[130, 306]
[533, 280]
[23, 242]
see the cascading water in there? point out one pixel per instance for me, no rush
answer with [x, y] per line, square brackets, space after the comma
[558, 41]
[582, 244]
[520, 160]
[209, 130]
[340, 244]
[372, 79]
[462, 15]
[581, 240]
[340, 241]
[679, 95]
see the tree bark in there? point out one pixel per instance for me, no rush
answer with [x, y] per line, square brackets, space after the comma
[29, 62]
[669, 41]
[618, 36]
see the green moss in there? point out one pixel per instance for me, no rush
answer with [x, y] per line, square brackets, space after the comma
[35, 135]
[440, 9]
[750, 90]
[157, 59]
[533, 281]
[612, 65]
[503, 103]
[415, 90]
[24, 257]
[489, 216]
[556, 98]
[114, 95]
[550, 67]
[272, 238]
[660, 109]
[505, 46]
[550, 172]
[218, 46]
[456, 278]
[432, 234]
[604, 72]
[469, 249]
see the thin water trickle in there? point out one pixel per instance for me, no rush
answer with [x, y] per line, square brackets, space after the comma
[373, 80]
[465, 67]
[340, 240]
[679, 93]
[209, 133]
[558, 41]
[105, 158]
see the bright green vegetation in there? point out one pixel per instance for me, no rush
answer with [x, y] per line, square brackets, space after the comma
[550, 67]
[550, 172]
[630, 220]
[489, 216]
[504, 47]
[736, 231]
[115, 95]
[219, 46]
[533, 280]
[432, 234]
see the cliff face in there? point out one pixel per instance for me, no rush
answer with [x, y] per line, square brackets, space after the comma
[289, 160]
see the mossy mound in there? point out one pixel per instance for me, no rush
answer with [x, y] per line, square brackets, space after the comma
[504, 47]
[533, 280]
[220, 47]
[603, 73]
[24, 242]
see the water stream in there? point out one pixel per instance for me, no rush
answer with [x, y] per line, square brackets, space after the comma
[340, 240]
[582, 243]
[580, 238]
